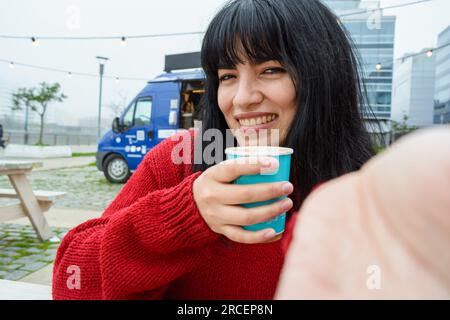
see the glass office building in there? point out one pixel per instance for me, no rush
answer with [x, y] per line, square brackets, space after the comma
[442, 76]
[373, 34]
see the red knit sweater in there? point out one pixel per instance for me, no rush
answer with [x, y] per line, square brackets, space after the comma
[152, 243]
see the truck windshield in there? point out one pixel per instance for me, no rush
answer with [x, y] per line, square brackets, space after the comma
[143, 112]
[139, 114]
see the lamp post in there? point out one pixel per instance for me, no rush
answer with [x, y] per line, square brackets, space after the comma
[26, 123]
[102, 61]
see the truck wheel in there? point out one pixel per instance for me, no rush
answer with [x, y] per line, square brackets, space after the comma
[116, 169]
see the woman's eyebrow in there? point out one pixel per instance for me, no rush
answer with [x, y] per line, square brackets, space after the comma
[256, 64]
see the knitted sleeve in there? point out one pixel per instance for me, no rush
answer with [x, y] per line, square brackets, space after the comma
[150, 235]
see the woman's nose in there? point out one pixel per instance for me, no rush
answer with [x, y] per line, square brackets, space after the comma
[247, 94]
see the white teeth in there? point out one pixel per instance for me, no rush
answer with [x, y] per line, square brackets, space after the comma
[257, 121]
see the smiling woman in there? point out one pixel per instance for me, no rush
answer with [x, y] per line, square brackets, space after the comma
[290, 61]
[175, 231]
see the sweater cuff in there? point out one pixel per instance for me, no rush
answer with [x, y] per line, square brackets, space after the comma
[181, 218]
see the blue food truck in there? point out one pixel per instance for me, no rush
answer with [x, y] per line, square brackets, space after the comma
[165, 105]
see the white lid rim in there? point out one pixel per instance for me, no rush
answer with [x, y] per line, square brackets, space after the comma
[259, 151]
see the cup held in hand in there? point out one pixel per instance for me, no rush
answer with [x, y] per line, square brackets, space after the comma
[267, 175]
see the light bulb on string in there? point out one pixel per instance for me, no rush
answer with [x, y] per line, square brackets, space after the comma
[429, 53]
[11, 65]
[34, 42]
[123, 42]
[378, 66]
[69, 75]
[117, 80]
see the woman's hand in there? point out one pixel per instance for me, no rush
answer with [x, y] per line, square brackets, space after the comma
[218, 200]
[380, 233]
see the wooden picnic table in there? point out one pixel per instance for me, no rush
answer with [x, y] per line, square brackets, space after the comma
[31, 205]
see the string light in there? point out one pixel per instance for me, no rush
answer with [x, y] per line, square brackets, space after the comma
[123, 38]
[83, 74]
[34, 42]
[379, 66]
[69, 75]
[123, 42]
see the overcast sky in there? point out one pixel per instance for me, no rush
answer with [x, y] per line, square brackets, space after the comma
[417, 27]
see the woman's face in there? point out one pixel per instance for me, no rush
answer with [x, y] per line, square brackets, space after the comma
[258, 102]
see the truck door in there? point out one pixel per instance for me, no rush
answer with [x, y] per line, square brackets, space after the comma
[139, 137]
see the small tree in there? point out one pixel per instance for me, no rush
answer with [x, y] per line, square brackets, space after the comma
[402, 128]
[118, 105]
[38, 100]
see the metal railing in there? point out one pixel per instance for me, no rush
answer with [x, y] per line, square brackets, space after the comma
[52, 139]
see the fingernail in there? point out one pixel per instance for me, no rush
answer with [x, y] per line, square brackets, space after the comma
[287, 188]
[286, 205]
[266, 162]
[269, 166]
[269, 233]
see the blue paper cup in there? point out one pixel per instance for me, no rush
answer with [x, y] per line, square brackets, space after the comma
[283, 155]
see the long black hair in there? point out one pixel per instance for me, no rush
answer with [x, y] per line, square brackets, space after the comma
[327, 133]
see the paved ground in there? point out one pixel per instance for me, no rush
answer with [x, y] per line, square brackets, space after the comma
[61, 220]
[21, 253]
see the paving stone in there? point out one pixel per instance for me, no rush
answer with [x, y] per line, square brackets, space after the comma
[16, 275]
[12, 248]
[35, 250]
[28, 259]
[5, 260]
[9, 253]
[9, 238]
[12, 267]
[13, 227]
[3, 274]
[34, 266]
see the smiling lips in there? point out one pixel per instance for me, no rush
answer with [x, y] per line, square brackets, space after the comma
[256, 120]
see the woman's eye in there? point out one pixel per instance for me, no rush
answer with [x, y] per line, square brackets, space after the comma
[274, 70]
[226, 77]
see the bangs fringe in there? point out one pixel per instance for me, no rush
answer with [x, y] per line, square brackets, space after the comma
[244, 30]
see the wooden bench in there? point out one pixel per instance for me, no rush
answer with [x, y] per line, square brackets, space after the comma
[44, 198]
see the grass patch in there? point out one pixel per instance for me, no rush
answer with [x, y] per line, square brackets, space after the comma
[104, 182]
[83, 154]
[23, 245]
[93, 164]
